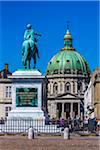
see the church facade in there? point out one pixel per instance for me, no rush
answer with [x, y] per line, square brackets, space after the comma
[68, 75]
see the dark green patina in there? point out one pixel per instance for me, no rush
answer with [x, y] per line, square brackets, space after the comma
[29, 47]
[67, 60]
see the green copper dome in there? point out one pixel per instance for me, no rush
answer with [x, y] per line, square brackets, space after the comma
[67, 60]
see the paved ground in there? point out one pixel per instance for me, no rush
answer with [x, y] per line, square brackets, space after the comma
[49, 143]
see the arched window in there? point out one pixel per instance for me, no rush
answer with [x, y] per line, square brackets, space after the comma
[79, 86]
[61, 87]
[67, 87]
[56, 71]
[55, 88]
[67, 71]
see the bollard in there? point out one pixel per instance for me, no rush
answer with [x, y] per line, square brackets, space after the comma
[66, 133]
[31, 133]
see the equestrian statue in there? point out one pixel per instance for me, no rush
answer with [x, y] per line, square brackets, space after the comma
[29, 47]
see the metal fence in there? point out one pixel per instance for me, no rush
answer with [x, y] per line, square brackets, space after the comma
[20, 125]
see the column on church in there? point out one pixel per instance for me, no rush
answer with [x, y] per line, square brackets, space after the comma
[75, 87]
[63, 110]
[55, 109]
[71, 112]
[83, 87]
[63, 87]
[59, 91]
[51, 88]
[71, 87]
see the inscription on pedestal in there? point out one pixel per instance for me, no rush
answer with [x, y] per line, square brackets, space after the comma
[26, 97]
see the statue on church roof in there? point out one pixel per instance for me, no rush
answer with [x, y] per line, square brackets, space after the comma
[29, 47]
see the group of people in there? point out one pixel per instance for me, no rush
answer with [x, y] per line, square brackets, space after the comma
[90, 124]
[74, 124]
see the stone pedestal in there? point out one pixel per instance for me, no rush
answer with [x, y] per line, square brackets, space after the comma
[27, 93]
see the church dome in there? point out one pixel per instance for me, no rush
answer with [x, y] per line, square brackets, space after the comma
[67, 60]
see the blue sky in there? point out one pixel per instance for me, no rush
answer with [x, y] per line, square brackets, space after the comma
[50, 19]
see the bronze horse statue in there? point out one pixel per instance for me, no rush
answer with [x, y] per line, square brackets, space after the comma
[29, 47]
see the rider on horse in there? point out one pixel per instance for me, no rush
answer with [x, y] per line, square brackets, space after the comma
[29, 47]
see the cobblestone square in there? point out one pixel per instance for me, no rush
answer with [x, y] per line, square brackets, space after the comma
[49, 143]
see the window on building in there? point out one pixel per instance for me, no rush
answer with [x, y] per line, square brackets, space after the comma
[61, 86]
[67, 71]
[79, 86]
[68, 60]
[67, 87]
[57, 61]
[7, 109]
[79, 71]
[55, 88]
[55, 71]
[8, 91]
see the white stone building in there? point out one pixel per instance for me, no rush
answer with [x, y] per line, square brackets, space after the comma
[5, 92]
